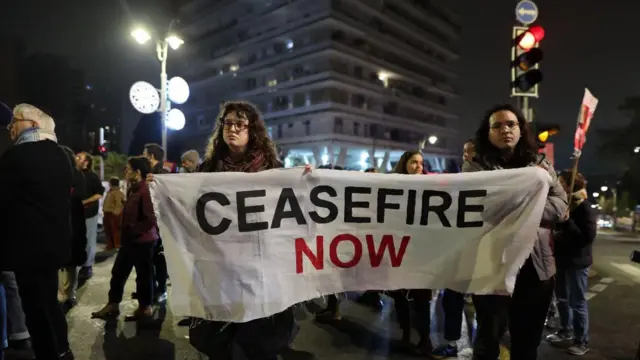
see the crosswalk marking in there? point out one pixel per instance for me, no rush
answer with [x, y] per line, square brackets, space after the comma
[598, 288]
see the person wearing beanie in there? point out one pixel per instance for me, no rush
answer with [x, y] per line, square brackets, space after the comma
[35, 189]
[190, 161]
[573, 247]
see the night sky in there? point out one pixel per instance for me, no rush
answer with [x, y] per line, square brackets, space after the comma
[590, 43]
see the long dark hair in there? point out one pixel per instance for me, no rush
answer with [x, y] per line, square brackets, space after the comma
[401, 166]
[259, 140]
[140, 163]
[525, 151]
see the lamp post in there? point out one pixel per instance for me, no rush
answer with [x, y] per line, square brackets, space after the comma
[162, 50]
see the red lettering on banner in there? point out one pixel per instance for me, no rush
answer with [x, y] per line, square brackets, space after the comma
[387, 244]
[317, 259]
[357, 251]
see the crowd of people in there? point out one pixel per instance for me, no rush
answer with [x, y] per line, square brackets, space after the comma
[62, 195]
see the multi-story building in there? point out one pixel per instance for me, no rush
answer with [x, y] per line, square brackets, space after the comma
[337, 81]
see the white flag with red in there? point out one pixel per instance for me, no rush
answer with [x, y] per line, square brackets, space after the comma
[587, 108]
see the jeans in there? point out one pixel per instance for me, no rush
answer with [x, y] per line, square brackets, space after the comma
[92, 240]
[16, 323]
[571, 290]
[3, 320]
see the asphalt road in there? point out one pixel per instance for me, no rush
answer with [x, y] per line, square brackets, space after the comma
[362, 333]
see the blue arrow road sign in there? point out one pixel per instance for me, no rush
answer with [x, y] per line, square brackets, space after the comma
[526, 12]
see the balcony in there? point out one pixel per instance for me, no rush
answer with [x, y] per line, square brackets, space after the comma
[407, 75]
[364, 116]
[302, 24]
[246, 21]
[389, 42]
[407, 28]
[451, 29]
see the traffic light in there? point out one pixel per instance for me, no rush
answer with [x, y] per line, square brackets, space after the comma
[525, 57]
[543, 132]
[103, 150]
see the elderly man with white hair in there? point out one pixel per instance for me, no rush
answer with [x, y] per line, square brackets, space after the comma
[35, 191]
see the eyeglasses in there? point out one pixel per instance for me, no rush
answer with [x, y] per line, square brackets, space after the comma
[499, 125]
[239, 125]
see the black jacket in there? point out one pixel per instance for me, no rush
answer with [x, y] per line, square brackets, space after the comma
[78, 223]
[93, 186]
[573, 244]
[35, 189]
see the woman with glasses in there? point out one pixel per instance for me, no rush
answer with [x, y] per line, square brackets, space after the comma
[239, 143]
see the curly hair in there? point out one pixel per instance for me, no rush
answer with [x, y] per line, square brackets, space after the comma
[401, 166]
[259, 140]
[525, 151]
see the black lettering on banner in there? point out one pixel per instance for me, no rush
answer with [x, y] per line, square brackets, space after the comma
[202, 219]
[244, 210]
[315, 199]
[411, 207]
[287, 196]
[464, 208]
[437, 209]
[383, 204]
[349, 204]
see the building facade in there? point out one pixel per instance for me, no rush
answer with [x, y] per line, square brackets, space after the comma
[338, 81]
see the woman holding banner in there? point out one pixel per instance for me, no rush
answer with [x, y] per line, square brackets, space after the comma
[504, 141]
[412, 163]
[240, 143]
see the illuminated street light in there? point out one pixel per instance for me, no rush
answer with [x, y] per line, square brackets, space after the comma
[636, 150]
[175, 42]
[432, 139]
[141, 36]
[162, 49]
[604, 188]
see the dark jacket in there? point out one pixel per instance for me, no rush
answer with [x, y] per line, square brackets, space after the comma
[93, 187]
[5, 140]
[574, 240]
[35, 189]
[138, 218]
[159, 169]
[78, 223]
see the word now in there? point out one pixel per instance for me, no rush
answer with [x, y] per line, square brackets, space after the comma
[317, 258]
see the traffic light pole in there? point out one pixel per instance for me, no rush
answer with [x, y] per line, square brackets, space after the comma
[101, 158]
[526, 109]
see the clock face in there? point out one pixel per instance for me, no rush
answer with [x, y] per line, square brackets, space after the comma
[144, 97]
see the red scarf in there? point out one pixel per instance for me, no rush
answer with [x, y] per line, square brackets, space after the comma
[251, 163]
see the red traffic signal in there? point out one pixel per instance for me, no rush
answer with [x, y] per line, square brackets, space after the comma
[529, 38]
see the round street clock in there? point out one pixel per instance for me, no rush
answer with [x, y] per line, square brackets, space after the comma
[144, 97]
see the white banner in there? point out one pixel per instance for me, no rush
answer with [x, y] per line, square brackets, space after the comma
[245, 246]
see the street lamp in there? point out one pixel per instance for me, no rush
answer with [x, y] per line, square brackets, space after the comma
[432, 139]
[604, 188]
[636, 150]
[596, 194]
[162, 49]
